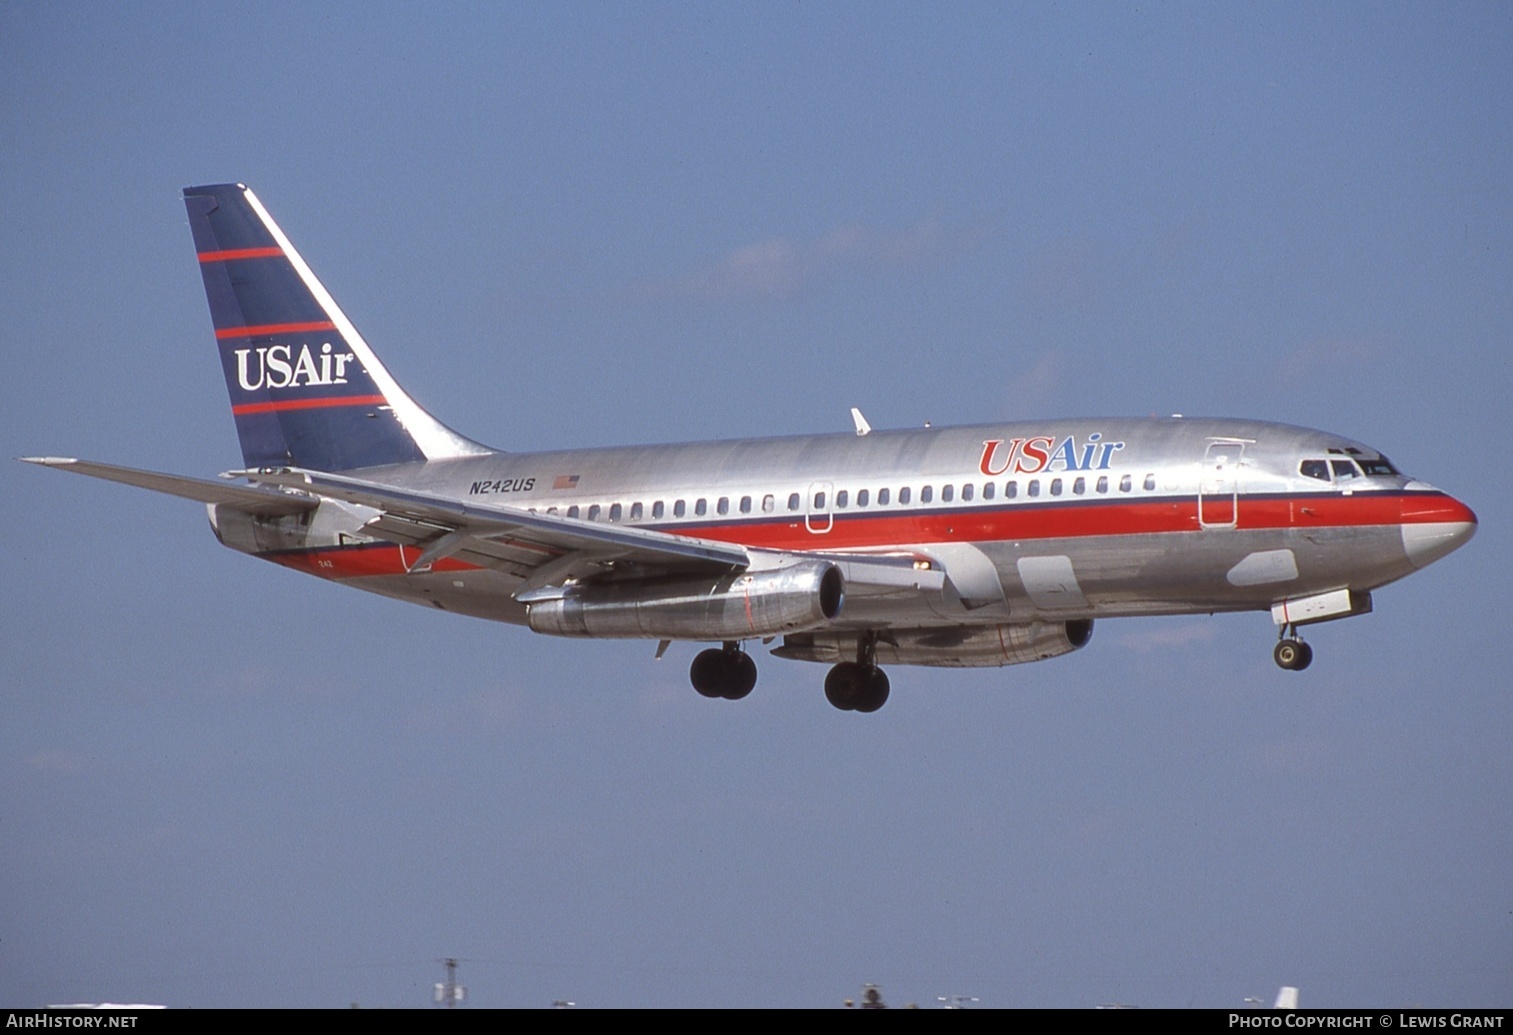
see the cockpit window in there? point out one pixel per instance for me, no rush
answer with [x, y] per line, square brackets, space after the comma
[1381, 465]
[1343, 469]
[1315, 469]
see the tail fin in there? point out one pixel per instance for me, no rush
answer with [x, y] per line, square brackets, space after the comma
[306, 391]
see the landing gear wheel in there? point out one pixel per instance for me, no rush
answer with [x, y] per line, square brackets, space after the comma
[1305, 657]
[729, 673]
[841, 685]
[1293, 655]
[874, 692]
[707, 673]
[854, 687]
[743, 675]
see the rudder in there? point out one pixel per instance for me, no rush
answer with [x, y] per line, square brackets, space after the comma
[306, 390]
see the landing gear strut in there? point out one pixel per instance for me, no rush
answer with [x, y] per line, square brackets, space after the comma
[858, 686]
[1292, 653]
[725, 671]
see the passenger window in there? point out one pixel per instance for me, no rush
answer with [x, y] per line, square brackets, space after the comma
[723, 506]
[769, 504]
[679, 509]
[615, 512]
[700, 507]
[1125, 484]
[861, 497]
[927, 494]
[1103, 483]
[1055, 486]
[572, 511]
[1034, 486]
[1079, 486]
[593, 512]
[842, 498]
[819, 501]
[946, 492]
[1150, 483]
[793, 502]
[987, 490]
[903, 496]
[635, 511]
[745, 504]
[551, 510]
[1011, 490]
[882, 497]
[657, 510]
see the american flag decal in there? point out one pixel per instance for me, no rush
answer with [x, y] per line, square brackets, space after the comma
[566, 481]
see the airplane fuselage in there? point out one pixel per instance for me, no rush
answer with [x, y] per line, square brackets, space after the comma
[1077, 518]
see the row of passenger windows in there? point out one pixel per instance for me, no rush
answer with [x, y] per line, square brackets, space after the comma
[843, 500]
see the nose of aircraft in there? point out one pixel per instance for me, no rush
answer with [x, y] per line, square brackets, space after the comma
[1433, 525]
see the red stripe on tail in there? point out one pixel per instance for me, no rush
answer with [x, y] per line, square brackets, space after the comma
[273, 328]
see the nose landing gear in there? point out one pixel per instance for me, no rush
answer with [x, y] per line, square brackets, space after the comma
[1290, 652]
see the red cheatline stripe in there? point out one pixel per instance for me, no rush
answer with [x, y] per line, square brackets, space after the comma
[274, 328]
[1006, 522]
[308, 404]
[241, 253]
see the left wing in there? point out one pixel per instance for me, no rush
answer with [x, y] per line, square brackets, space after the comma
[546, 548]
[545, 551]
[550, 551]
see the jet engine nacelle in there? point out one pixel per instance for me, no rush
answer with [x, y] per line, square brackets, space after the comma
[733, 607]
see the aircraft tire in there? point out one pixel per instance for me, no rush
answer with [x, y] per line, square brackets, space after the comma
[1292, 655]
[1305, 657]
[874, 692]
[842, 685]
[707, 673]
[741, 676]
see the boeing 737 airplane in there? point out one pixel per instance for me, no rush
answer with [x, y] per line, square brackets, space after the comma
[971, 546]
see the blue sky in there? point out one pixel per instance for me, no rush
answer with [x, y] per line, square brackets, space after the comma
[583, 224]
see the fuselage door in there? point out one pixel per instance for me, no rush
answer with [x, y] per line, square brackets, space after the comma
[1219, 483]
[818, 517]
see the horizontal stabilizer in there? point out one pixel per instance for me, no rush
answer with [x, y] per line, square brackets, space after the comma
[266, 502]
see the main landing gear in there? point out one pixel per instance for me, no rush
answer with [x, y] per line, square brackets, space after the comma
[852, 686]
[1290, 652]
[858, 686]
[725, 671]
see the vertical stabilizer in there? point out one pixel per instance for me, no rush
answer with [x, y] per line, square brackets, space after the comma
[306, 390]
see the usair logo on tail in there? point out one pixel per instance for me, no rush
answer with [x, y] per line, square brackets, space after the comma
[276, 366]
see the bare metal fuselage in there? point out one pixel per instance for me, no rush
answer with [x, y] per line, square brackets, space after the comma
[1047, 521]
